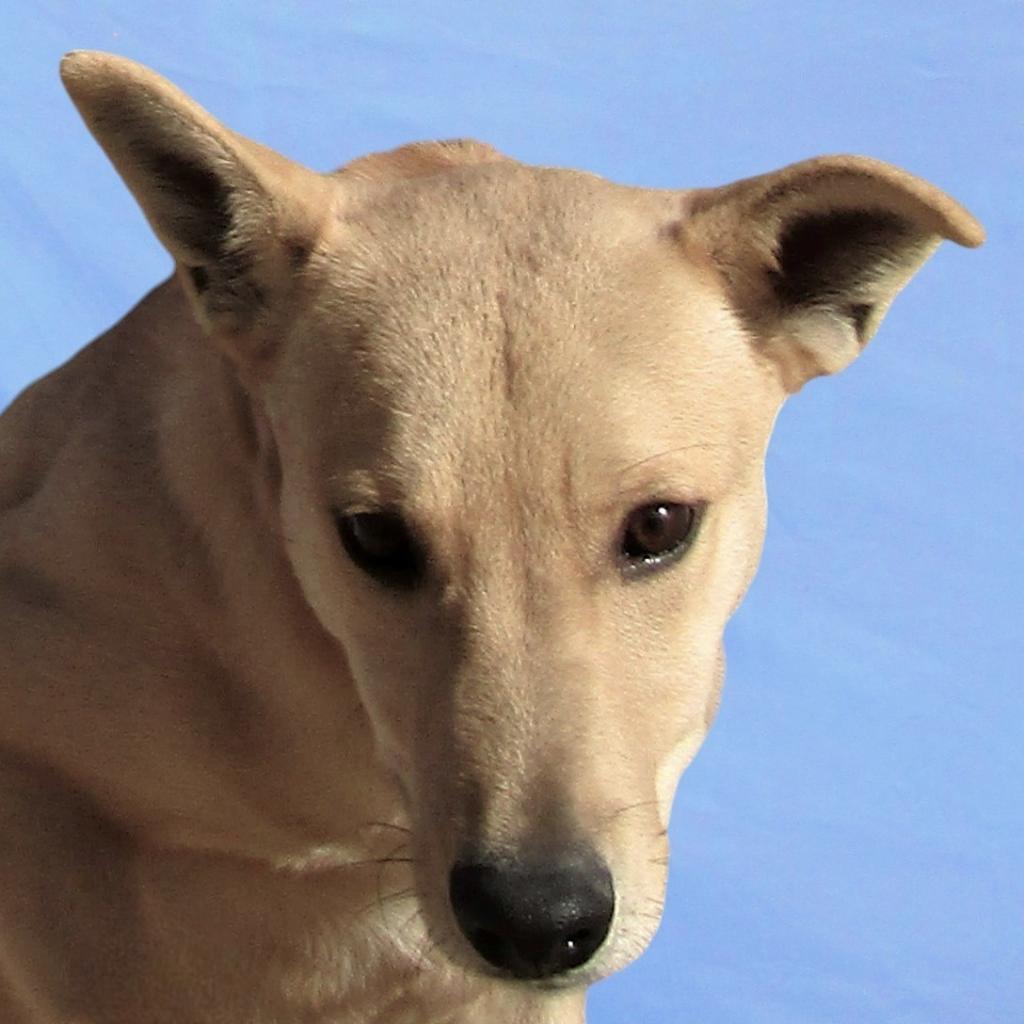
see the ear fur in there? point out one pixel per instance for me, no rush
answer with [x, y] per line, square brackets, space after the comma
[235, 216]
[812, 255]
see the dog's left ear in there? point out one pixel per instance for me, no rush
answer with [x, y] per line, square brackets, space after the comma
[813, 254]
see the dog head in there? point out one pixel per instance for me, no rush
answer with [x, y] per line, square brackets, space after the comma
[520, 416]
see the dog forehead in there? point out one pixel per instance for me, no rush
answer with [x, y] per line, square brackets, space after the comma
[532, 267]
[476, 231]
[515, 310]
[506, 196]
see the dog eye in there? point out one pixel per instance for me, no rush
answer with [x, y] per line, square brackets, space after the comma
[655, 535]
[382, 546]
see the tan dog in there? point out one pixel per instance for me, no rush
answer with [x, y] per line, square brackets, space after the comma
[362, 591]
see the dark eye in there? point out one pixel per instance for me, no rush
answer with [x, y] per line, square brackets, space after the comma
[655, 535]
[382, 546]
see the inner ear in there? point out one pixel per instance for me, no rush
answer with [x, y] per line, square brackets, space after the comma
[835, 260]
[196, 200]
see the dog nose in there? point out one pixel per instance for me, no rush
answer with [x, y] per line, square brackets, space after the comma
[534, 919]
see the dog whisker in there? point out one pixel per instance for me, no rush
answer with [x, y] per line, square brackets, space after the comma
[390, 825]
[385, 898]
[370, 862]
[383, 862]
[398, 896]
[618, 812]
[670, 451]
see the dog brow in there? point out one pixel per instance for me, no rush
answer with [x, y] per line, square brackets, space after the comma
[669, 451]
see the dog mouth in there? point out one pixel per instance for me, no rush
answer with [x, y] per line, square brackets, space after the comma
[544, 915]
[542, 906]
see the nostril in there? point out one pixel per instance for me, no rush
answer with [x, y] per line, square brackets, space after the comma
[534, 919]
[490, 945]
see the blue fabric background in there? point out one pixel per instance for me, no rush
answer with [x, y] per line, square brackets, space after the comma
[849, 847]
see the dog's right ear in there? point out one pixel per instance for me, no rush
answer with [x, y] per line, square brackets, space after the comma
[237, 217]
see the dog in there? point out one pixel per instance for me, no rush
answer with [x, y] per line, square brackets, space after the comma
[362, 591]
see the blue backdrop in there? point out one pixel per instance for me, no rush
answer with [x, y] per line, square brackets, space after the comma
[849, 846]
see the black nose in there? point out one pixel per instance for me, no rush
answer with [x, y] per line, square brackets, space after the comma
[534, 918]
